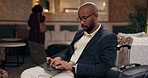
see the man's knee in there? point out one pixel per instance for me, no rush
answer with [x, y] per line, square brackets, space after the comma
[25, 73]
[28, 73]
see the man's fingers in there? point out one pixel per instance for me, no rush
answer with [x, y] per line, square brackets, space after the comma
[59, 66]
[51, 63]
[54, 61]
[48, 59]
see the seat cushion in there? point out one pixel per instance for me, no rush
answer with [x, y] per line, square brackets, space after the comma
[57, 36]
[69, 35]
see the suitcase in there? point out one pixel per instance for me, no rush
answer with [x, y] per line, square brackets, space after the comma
[133, 70]
[123, 55]
[123, 50]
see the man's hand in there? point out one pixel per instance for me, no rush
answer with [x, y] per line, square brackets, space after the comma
[58, 63]
[63, 64]
[52, 61]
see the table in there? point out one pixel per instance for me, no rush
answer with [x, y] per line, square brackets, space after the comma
[139, 53]
[11, 39]
[13, 45]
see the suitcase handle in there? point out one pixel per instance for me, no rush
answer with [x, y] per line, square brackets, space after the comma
[129, 65]
[123, 45]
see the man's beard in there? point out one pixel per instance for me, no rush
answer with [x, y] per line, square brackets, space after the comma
[88, 29]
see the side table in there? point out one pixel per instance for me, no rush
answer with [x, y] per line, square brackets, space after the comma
[13, 45]
[11, 39]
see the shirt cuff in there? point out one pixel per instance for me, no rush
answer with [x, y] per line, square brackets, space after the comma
[76, 68]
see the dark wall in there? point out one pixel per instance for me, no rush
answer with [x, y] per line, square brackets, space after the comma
[120, 29]
[9, 31]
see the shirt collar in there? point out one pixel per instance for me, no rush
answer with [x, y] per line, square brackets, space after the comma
[93, 33]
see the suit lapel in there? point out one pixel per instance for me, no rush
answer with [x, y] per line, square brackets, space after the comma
[90, 43]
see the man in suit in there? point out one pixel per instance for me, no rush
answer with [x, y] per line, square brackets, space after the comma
[92, 52]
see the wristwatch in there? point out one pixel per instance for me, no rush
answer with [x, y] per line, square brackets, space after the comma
[73, 68]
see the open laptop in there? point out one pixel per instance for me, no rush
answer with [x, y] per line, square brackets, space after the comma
[38, 55]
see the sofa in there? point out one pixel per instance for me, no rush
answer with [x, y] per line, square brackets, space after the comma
[58, 37]
[51, 37]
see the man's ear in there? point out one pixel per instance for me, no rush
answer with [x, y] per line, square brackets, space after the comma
[96, 15]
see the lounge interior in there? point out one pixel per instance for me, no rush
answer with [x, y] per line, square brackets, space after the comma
[117, 16]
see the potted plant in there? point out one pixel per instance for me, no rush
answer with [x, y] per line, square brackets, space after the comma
[138, 20]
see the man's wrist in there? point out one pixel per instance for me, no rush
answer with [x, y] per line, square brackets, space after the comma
[74, 68]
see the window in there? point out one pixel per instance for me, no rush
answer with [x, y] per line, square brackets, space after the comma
[69, 5]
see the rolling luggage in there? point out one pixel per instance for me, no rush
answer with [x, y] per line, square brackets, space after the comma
[123, 55]
[123, 50]
[129, 71]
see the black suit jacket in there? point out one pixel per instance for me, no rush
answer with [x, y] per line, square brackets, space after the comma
[97, 57]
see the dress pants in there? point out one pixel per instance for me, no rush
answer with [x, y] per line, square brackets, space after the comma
[39, 72]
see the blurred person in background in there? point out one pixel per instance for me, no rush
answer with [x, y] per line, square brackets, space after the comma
[35, 18]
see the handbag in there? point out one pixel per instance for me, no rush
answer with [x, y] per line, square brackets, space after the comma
[42, 26]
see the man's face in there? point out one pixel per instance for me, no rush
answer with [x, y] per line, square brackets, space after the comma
[86, 20]
[89, 27]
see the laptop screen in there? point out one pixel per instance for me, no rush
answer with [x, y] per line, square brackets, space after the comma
[37, 51]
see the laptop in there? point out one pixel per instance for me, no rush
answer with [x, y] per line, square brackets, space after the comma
[38, 55]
